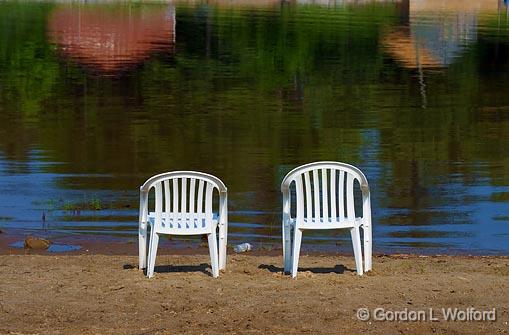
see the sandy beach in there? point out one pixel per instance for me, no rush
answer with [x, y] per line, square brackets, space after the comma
[107, 294]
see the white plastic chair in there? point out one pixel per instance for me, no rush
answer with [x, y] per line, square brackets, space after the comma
[187, 210]
[324, 194]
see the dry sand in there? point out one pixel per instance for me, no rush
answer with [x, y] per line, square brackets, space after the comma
[97, 294]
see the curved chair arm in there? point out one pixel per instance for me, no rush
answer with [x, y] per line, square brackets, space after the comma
[366, 206]
[223, 227]
[286, 205]
[286, 229]
[367, 228]
[366, 202]
[223, 208]
[142, 229]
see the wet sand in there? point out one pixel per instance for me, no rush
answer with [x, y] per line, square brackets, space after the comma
[107, 294]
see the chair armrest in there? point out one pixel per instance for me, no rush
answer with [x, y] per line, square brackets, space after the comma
[223, 208]
[286, 206]
[366, 206]
[143, 213]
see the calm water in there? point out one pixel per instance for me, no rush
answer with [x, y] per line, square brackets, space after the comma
[95, 98]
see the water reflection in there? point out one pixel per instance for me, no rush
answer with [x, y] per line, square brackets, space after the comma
[434, 33]
[248, 92]
[111, 38]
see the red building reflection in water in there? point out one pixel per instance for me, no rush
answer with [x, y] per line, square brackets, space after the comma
[111, 39]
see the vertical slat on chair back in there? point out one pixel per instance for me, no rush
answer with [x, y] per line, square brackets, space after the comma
[183, 201]
[350, 201]
[175, 193]
[159, 202]
[199, 202]
[167, 199]
[183, 197]
[341, 195]
[325, 195]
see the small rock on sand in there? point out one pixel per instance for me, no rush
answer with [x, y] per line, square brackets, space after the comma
[36, 243]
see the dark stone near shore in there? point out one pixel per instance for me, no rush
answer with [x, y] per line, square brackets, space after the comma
[36, 243]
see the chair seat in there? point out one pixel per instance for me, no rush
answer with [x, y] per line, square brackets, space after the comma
[183, 224]
[330, 223]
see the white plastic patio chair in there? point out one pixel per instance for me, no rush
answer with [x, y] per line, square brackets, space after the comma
[187, 197]
[324, 194]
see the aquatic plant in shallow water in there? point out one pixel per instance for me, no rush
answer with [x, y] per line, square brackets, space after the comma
[92, 203]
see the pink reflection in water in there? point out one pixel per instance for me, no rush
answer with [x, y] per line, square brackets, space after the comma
[112, 39]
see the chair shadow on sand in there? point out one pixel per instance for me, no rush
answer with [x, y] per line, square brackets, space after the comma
[203, 267]
[340, 268]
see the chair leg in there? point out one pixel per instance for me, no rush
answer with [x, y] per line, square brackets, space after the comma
[296, 250]
[152, 253]
[213, 254]
[356, 242]
[368, 248]
[142, 247]
[287, 245]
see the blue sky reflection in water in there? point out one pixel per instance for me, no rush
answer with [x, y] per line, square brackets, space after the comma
[412, 92]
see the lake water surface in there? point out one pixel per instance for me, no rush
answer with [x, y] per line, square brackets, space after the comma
[96, 97]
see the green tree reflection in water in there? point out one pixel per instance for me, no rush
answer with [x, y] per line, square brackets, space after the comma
[247, 93]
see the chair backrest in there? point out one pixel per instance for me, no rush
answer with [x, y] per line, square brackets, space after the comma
[182, 194]
[324, 190]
